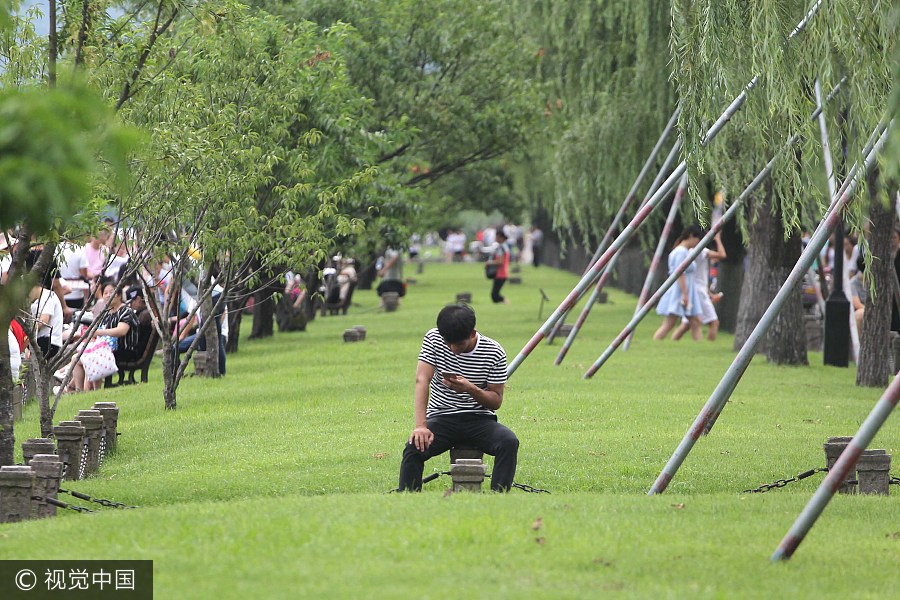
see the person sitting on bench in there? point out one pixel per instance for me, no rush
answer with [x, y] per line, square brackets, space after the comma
[459, 387]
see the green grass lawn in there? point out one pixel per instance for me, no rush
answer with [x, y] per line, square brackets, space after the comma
[270, 481]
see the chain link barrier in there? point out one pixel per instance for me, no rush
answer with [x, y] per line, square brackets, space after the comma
[100, 501]
[102, 446]
[521, 486]
[61, 504]
[783, 482]
[85, 452]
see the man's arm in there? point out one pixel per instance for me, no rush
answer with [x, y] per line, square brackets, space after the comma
[421, 437]
[491, 398]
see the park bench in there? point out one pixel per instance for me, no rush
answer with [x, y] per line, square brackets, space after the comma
[142, 364]
[339, 306]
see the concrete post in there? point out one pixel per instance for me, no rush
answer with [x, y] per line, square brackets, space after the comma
[93, 426]
[200, 366]
[833, 448]
[873, 472]
[391, 301]
[47, 474]
[70, 440]
[16, 485]
[464, 298]
[33, 446]
[458, 452]
[361, 331]
[352, 335]
[467, 474]
[514, 280]
[18, 402]
[110, 413]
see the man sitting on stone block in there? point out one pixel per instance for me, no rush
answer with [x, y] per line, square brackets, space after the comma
[459, 386]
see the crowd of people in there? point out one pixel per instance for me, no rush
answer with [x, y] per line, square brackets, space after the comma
[90, 301]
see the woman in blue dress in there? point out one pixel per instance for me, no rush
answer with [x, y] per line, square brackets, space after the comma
[680, 300]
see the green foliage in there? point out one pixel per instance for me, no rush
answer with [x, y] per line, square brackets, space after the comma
[718, 47]
[50, 142]
[451, 91]
[269, 482]
[607, 64]
[256, 146]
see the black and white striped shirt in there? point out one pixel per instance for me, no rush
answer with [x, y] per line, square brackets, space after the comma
[485, 364]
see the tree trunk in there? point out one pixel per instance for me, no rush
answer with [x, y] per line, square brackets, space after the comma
[235, 315]
[264, 312]
[875, 358]
[212, 342]
[770, 259]
[169, 382]
[366, 276]
[43, 379]
[7, 433]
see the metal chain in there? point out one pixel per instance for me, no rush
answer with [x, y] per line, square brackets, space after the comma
[894, 480]
[102, 446]
[100, 501]
[783, 482]
[84, 458]
[522, 486]
[61, 504]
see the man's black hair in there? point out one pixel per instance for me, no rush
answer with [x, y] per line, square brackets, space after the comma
[456, 322]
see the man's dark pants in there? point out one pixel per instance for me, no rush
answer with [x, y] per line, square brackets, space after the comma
[480, 431]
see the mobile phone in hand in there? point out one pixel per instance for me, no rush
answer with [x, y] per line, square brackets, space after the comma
[450, 375]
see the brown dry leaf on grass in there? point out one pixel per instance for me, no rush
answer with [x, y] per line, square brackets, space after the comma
[538, 523]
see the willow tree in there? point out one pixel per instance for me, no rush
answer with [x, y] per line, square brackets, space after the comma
[717, 49]
[608, 98]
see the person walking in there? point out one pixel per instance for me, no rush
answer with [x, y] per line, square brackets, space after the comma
[500, 258]
[680, 300]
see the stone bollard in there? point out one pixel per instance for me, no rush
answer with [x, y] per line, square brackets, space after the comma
[34, 446]
[391, 301]
[29, 381]
[201, 368]
[833, 448]
[514, 280]
[353, 335]
[16, 486]
[564, 330]
[458, 452]
[420, 268]
[70, 442]
[464, 298]
[361, 330]
[873, 472]
[18, 402]
[110, 413]
[47, 474]
[93, 427]
[602, 298]
[467, 474]
[515, 268]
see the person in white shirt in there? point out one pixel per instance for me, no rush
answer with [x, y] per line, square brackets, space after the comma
[48, 315]
[15, 357]
[73, 267]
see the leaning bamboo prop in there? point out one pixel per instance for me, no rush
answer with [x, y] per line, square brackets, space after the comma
[713, 407]
[645, 309]
[673, 212]
[591, 276]
[838, 473]
[617, 220]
